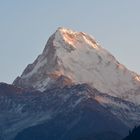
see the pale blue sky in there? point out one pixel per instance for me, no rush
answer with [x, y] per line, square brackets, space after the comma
[25, 26]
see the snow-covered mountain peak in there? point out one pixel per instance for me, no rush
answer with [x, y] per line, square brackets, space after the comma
[74, 39]
[77, 56]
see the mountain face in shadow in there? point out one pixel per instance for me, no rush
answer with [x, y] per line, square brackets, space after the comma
[67, 113]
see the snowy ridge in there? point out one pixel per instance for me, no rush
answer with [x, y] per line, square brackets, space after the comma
[77, 56]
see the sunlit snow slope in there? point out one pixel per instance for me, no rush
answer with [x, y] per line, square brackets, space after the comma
[80, 59]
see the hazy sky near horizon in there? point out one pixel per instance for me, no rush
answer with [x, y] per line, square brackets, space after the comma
[25, 26]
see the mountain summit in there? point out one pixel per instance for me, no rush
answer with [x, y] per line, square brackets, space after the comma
[75, 57]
